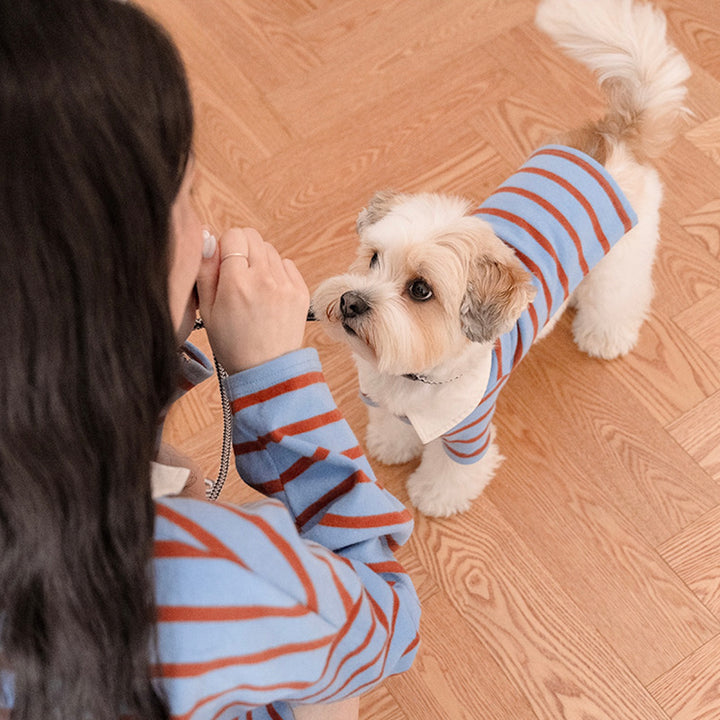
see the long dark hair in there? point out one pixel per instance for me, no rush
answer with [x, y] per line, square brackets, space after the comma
[95, 132]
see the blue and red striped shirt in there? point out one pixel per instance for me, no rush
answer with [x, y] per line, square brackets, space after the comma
[561, 212]
[296, 598]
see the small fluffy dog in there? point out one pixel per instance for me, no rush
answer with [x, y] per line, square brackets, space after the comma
[443, 300]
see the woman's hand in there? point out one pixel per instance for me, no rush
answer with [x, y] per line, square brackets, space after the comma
[253, 302]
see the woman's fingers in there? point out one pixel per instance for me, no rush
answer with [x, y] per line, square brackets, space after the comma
[207, 278]
[258, 309]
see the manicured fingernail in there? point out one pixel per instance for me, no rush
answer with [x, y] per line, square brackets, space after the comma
[209, 244]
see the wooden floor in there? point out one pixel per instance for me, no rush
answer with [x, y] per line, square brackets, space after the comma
[585, 582]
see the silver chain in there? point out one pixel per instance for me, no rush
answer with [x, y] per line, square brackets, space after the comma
[213, 491]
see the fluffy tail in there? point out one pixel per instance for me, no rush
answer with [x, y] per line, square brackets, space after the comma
[641, 74]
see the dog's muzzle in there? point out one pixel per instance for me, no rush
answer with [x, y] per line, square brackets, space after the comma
[353, 305]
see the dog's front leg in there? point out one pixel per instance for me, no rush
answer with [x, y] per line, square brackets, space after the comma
[389, 439]
[441, 487]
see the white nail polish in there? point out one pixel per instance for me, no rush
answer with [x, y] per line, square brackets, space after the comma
[209, 244]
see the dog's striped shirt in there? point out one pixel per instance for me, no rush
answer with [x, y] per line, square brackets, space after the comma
[296, 597]
[561, 212]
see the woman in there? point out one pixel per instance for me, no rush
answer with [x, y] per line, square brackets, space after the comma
[112, 605]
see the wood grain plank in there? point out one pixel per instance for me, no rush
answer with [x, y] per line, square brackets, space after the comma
[550, 599]
[668, 369]
[691, 690]
[692, 178]
[574, 405]
[445, 686]
[687, 268]
[698, 432]
[585, 481]
[706, 137]
[524, 120]
[387, 54]
[693, 554]
[534, 631]
[696, 29]
[215, 67]
[701, 324]
[704, 225]
[379, 704]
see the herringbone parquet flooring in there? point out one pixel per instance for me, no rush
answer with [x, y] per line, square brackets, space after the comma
[585, 583]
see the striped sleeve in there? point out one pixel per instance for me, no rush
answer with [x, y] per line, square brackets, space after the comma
[298, 598]
[292, 443]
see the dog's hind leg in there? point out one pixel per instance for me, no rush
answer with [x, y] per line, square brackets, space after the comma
[614, 299]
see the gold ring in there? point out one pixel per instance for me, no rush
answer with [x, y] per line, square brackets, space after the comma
[243, 255]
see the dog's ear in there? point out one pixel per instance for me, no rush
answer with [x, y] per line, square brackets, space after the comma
[498, 291]
[379, 206]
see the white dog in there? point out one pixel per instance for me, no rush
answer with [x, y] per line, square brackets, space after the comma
[443, 300]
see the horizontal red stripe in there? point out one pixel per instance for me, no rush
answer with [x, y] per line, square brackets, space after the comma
[241, 689]
[353, 453]
[311, 423]
[366, 521]
[185, 670]
[250, 446]
[270, 487]
[302, 464]
[479, 451]
[193, 613]
[390, 566]
[467, 441]
[297, 428]
[340, 489]
[282, 388]
[177, 549]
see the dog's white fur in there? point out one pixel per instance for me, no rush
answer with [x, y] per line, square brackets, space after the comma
[432, 237]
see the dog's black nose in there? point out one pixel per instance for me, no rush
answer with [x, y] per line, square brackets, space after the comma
[352, 305]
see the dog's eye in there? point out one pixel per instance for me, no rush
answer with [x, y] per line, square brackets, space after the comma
[420, 290]
[374, 260]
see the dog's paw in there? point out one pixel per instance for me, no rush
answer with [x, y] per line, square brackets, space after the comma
[434, 499]
[392, 443]
[606, 343]
[440, 487]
